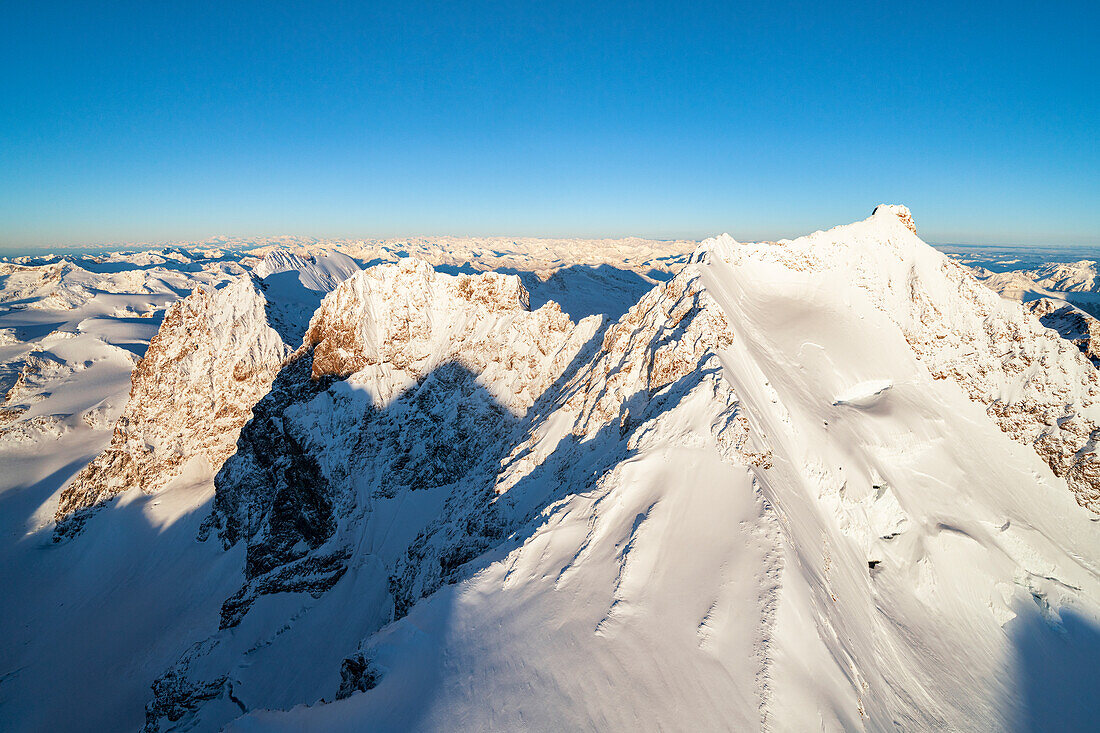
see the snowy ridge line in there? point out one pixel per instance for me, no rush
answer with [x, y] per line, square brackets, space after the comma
[1071, 323]
[216, 354]
[389, 326]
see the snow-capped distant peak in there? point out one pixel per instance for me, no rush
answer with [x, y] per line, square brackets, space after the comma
[279, 260]
[320, 272]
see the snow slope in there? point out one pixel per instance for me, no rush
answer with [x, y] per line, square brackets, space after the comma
[831, 483]
[142, 582]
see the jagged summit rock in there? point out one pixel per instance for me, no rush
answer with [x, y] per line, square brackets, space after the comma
[901, 212]
[217, 353]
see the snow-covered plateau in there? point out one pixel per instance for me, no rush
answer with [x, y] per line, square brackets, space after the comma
[836, 483]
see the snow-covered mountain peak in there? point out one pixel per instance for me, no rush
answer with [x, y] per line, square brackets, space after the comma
[884, 236]
[1069, 282]
[278, 260]
[1074, 277]
[1036, 386]
[723, 244]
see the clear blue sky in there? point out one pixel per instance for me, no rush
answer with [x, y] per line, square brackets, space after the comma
[127, 121]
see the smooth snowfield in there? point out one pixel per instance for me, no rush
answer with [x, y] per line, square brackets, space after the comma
[768, 496]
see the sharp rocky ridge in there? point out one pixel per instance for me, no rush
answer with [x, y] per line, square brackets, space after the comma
[781, 491]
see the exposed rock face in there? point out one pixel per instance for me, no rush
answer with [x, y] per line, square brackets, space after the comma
[618, 402]
[411, 383]
[447, 360]
[1038, 388]
[432, 430]
[214, 356]
[274, 490]
[356, 675]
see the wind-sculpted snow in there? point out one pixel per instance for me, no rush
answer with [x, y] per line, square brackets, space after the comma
[753, 506]
[320, 456]
[438, 370]
[1037, 386]
[214, 356]
[350, 461]
[615, 406]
